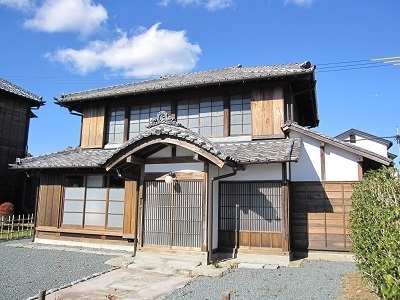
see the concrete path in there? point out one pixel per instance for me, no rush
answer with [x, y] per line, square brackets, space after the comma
[124, 283]
[149, 276]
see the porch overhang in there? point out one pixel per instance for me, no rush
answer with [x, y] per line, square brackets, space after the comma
[163, 131]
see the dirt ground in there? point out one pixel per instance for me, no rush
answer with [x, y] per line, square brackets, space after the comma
[354, 288]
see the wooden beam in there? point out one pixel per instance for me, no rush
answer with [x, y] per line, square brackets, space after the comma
[323, 165]
[135, 160]
[169, 140]
[169, 160]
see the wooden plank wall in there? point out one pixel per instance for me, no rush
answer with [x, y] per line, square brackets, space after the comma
[50, 196]
[130, 209]
[319, 215]
[14, 125]
[267, 111]
[93, 126]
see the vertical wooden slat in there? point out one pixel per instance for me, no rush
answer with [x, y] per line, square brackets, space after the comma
[93, 124]
[130, 209]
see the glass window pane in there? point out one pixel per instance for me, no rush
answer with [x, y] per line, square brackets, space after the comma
[236, 129]
[117, 194]
[95, 219]
[246, 119]
[96, 206]
[96, 193]
[205, 131]
[74, 181]
[95, 181]
[72, 218]
[236, 119]
[115, 220]
[193, 123]
[116, 207]
[73, 205]
[247, 129]
[205, 121]
[74, 193]
[217, 131]
[218, 121]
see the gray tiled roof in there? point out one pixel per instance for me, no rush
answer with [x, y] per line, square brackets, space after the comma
[69, 158]
[336, 142]
[216, 76]
[265, 151]
[16, 90]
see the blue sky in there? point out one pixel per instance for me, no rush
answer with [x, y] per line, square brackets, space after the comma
[60, 46]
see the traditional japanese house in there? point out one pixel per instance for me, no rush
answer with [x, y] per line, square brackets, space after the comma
[210, 162]
[16, 106]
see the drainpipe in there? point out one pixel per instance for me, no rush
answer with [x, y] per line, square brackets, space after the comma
[211, 206]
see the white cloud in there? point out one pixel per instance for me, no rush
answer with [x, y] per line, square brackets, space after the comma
[208, 4]
[305, 3]
[17, 4]
[82, 16]
[219, 4]
[149, 52]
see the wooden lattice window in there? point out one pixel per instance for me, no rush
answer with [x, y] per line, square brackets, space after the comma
[204, 116]
[141, 114]
[115, 124]
[94, 201]
[240, 114]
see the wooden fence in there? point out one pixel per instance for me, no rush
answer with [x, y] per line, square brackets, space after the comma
[14, 227]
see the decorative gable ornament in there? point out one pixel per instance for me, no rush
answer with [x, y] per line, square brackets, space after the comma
[163, 118]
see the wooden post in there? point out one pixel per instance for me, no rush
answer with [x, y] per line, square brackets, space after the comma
[226, 296]
[42, 295]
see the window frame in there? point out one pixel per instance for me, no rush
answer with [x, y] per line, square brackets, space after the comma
[86, 199]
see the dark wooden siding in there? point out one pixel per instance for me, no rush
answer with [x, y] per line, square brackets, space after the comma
[319, 215]
[49, 199]
[14, 124]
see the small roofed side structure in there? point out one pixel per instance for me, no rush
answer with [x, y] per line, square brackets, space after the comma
[367, 141]
[16, 106]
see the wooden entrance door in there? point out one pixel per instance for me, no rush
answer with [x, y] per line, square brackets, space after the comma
[250, 215]
[173, 214]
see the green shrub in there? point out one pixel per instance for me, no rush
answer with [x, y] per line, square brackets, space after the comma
[375, 230]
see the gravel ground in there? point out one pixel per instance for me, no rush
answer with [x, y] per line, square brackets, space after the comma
[24, 271]
[313, 280]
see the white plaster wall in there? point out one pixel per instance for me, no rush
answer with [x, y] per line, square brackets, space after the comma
[371, 145]
[308, 168]
[180, 151]
[254, 172]
[340, 165]
[166, 152]
[182, 167]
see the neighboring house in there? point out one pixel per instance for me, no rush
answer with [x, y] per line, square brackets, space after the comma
[15, 113]
[210, 162]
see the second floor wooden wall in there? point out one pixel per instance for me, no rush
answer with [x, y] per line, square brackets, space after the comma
[268, 114]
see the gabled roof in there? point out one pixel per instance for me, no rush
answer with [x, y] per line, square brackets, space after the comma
[202, 78]
[292, 126]
[365, 135]
[16, 90]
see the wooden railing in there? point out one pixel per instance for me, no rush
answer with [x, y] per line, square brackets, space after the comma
[17, 226]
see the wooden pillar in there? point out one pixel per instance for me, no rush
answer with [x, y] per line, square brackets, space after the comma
[285, 210]
[360, 167]
[322, 153]
[141, 207]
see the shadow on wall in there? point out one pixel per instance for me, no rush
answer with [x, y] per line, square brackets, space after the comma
[319, 215]
[250, 215]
